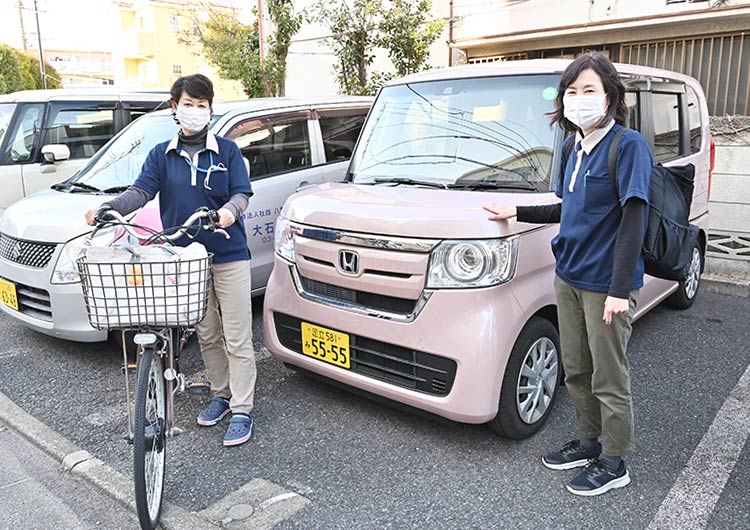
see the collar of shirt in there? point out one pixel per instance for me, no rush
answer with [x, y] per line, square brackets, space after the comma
[211, 143]
[592, 140]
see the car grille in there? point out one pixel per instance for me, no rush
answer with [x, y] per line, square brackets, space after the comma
[27, 253]
[369, 300]
[416, 370]
[34, 302]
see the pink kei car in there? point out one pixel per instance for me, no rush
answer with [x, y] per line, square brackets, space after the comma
[395, 283]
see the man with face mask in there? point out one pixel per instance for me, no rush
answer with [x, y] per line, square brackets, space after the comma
[198, 169]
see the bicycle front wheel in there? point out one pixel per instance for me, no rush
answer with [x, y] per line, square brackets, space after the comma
[149, 438]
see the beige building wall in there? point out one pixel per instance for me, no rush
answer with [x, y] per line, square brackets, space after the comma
[149, 53]
[511, 26]
[310, 62]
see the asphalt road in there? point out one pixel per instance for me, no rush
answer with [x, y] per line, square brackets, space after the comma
[364, 465]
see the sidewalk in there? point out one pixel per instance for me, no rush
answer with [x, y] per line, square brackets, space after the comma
[35, 495]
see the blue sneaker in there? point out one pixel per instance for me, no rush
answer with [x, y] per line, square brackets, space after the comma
[240, 429]
[217, 408]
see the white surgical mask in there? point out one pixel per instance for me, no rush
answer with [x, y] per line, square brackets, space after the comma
[585, 111]
[193, 118]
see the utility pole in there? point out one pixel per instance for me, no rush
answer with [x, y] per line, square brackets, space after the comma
[260, 30]
[23, 29]
[41, 53]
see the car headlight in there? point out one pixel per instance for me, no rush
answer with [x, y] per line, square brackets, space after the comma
[283, 238]
[66, 270]
[478, 263]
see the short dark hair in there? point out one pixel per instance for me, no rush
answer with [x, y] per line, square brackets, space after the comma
[197, 86]
[599, 63]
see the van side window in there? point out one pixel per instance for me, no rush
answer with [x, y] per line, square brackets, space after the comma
[83, 130]
[666, 122]
[340, 130]
[694, 119]
[273, 146]
[634, 117]
[23, 141]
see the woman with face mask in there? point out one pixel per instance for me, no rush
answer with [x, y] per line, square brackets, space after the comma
[598, 265]
[192, 170]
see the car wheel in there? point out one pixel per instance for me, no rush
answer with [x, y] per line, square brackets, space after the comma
[531, 381]
[687, 289]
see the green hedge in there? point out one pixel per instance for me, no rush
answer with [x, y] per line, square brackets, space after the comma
[19, 71]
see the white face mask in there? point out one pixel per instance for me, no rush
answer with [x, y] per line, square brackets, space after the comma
[585, 111]
[193, 119]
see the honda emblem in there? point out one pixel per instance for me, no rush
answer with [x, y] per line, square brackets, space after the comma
[349, 262]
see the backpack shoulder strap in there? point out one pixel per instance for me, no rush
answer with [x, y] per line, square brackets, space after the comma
[612, 160]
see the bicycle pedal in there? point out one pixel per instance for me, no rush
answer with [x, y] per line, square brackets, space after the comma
[199, 388]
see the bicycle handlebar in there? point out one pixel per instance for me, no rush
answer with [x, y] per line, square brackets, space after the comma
[201, 213]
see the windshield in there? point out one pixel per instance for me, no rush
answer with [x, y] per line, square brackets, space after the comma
[476, 133]
[119, 162]
[6, 113]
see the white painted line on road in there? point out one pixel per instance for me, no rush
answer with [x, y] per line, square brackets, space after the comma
[278, 498]
[16, 483]
[689, 503]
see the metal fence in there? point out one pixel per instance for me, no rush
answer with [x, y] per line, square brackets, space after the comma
[720, 62]
[716, 61]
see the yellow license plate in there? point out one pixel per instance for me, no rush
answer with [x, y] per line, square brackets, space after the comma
[8, 294]
[325, 344]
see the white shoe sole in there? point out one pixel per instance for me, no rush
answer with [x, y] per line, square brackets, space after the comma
[617, 483]
[205, 423]
[567, 465]
[238, 441]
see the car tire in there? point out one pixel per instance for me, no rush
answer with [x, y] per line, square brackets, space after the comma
[687, 290]
[533, 373]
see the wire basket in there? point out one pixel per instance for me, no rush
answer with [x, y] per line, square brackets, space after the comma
[156, 286]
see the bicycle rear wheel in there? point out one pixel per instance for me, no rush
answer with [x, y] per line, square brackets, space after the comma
[149, 438]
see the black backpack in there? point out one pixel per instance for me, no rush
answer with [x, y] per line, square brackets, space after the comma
[670, 238]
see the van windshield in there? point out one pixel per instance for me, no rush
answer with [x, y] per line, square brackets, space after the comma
[118, 163]
[479, 133]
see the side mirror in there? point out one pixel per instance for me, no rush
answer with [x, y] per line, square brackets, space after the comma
[52, 153]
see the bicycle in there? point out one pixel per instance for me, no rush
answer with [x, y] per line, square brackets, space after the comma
[160, 292]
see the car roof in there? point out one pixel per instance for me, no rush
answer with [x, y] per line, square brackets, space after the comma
[526, 67]
[229, 108]
[73, 94]
[261, 104]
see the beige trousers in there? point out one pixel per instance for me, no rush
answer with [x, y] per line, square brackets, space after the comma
[225, 335]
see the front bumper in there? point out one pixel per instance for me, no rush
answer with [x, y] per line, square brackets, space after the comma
[55, 310]
[473, 328]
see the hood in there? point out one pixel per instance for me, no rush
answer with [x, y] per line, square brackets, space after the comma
[50, 216]
[408, 211]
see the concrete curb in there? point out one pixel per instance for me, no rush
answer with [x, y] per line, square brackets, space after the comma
[74, 459]
[725, 285]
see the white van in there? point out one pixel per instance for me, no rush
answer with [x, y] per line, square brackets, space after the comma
[46, 135]
[288, 143]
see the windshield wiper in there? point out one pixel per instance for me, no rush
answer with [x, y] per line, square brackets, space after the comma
[115, 189]
[85, 187]
[411, 182]
[76, 185]
[479, 185]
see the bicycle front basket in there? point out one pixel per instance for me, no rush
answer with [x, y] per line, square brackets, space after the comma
[156, 286]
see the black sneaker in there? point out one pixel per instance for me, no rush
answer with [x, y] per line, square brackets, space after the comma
[597, 478]
[572, 455]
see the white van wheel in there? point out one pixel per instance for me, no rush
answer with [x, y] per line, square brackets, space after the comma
[687, 290]
[531, 381]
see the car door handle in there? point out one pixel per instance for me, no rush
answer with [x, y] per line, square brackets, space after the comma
[302, 185]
